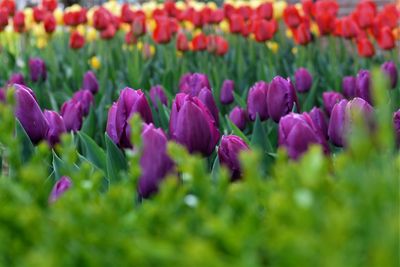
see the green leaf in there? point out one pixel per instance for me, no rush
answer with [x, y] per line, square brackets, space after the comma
[235, 130]
[93, 152]
[239, 100]
[215, 169]
[27, 146]
[258, 139]
[310, 100]
[115, 160]
[89, 125]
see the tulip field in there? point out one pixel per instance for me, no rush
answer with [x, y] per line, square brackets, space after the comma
[184, 133]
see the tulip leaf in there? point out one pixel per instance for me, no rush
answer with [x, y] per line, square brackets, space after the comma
[258, 139]
[239, 100]
[215, 169]
[310, 100]
[25, 141]
[89, 125]
[93, 152]
[235, 130]
[115, 160]
[57, 166]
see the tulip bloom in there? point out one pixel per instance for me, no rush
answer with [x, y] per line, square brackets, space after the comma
[297, 132]
[199, 42]
[265, 11]
[228, 154]
[264, 30]
[154, 161]
[281, 98]
[390, 70]
[396, 124]
[56, 126]
[330, 99]
[192, 83]
[30, 115]
[37, 69]
[319, 120]
[257, 101]
[19, 22]
[84, 97]
[226, 96]
[365, 48]
[72, 113]
[302, 34]
[207, 98]
[363, 85]
[365, 13]
[303, 80]
[162, 33]
[49, 23]
[291, 16]
[349, 87]
[3, 18]
[90, 82]
[76, 40]
[60, 188]
[157, 95]
[16, 78]
[239, 117]
[182, 43]
[191, 124]
[386, 39]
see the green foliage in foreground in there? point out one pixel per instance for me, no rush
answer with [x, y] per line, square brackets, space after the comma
[334, 211]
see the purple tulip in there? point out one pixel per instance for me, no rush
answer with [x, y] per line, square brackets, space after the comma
[191, 84]
[319, 120]
[330, 99]
[228, 154]
[363, 85]
[191, 124]
[303, 80]
[84, 97]
[37, 69]
[390, 69]
[16, 78]
[341, 118]
[157, 94]
[297, 132]
[72, 113]
[226, 96]
[56, 127]
[154, 162]
[2, 95]
[281, 98]
[90, 82]
[257, 101]
[30, 115]
[61, 186]
[206, 96]
[396, 123]
[349, 87]
[239, 117]
[111, 127]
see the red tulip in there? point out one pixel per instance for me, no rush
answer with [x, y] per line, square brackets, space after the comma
[302, 34]
[245, 11]
[365, 13]
[76, 40]
[49, 5]
[199, 42]
[182, 43]
[264, 30]
[38, 14]
[308, 7]
[102, 18]
[127, 14]
[9, 5]
[236, 23]
[291, 17]
[49, 23]
[74, 18]
[109, 32]
[264, 11]
[386, 39]
[326, 23]
[139, 26]
[19, 22]
[349, 28]
[130, 38]
[217, 16]
[365, 47]
[162, 33]
[3, 18]
[326, 7]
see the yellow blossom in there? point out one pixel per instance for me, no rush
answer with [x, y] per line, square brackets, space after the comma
[151, 25]
[314, 29]
[139, 45]
[288, 33]
[81, 29]
[41, 42]
[212, 5]
[91, 34]
[58, 15]
[294, 50]
[95, 63]
[273, 46]
[125, 27]
[188, 25]
[279, 7]
[180, 5]
[224, 25]
[38, 30]
[179, 53]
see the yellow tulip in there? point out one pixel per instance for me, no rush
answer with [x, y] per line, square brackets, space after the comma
[91, 34]
[81, 29]
[59, 16]
[314, 29]
[273, 46]
[289, 33]
[41, 42]
[279, 7]
[294, 50]
[224, 25]
[95, 63]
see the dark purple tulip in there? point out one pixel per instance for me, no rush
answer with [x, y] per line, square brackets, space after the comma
[37, 69]
[84, 97]
[349, 87]
[228, 154]
[363, 85]
[111, 123]
[239, 117]
[192, 83]
[227, 88]
[30, 115]
[17, 78]
[297, 132]
[281, 98]
[154, 162]
[390, 69]
[2, 95]
[257, 101]
[72, 113]
[319, 120]
[56, 126]
[191, 124]
[303, 80]
[396, 123]
[341, 118]
[90, 82]
[60, 188]
[129, 102]
[157, 94]
[330, 99]
[206, 96]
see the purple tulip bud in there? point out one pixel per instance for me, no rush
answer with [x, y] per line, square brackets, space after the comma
[90, 82]
[37, 69]
[226, 96]
[29, 114]
[130, 102]
[16, 78]
[297, 132]
[349, 87]
[330, 99]
[257, 101]
[363, 85]
[157, 94]
[319, 120]
[239, 117]
[206, 96]
[192, 83]
[303, 80]
[72, 113]
[56, 127]
[111, 124]
[2, 95]
[84, 97]
[281, 98]
[154, 162]
[60, 188]
[341, 119]
[228, 154]
[191, 124]
[396, 123]
[390, 69]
